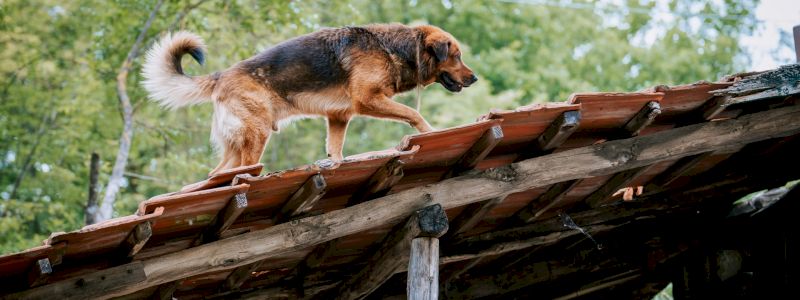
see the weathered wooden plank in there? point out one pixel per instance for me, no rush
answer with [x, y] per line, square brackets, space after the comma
[88, 286]
[423, 269]
[39, 272]
[616, 182]
[607, 158]
[303, 199]
[558, 131]
[477, 152]
[545, 202]
[713, 107]
[642, 119]
[136, 239]
[393, 253]
[471, 215]
[379, 183]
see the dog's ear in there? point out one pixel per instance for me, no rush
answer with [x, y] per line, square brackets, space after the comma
[439, 49]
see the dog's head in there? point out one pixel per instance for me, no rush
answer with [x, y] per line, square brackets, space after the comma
[444, 54]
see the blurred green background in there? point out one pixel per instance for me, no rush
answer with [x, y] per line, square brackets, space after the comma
[59, 61]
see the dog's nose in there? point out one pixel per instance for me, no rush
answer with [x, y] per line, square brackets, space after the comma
[472, 79]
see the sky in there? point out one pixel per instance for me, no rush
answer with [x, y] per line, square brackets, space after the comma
[764, 44]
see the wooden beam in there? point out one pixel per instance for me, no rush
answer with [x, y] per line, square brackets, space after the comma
[471, 215]
[303, 199]
[88, 286]
[39, 272]
[477, 152]
[545, 202]
[642, 119]
[713, 107]
[616, 182]
[379, 183]
[595, 160]
[136, 239]
[558, 131]
[393, 253]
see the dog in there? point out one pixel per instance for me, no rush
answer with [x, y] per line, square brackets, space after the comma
[336, 73]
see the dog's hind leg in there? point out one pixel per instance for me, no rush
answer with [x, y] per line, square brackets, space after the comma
[228, 156]
[255, 141]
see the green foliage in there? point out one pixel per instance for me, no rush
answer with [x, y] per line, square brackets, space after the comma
[59, 59]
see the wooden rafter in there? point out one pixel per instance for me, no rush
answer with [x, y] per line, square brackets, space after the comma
[477, 152]
[607, 158]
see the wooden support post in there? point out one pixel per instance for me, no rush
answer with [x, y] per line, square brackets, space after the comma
[471, 215]
[423, 269]
[545, 202]
[379, 183]
[558, 131]
[39, 272]
[165, 291]
[477, 152]
[136, 239]
[429, 222]
[616, 182]
[642, 119]
[303, 199]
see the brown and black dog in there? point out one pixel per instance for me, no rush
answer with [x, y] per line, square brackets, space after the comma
[336, 73]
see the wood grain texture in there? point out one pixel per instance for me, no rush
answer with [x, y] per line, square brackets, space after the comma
[423, 269]
[607, 158]
[477, 152]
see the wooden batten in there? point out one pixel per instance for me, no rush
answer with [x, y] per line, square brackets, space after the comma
[303, 199]
[558, 131]
[165, 291]
[393, 253]
[616, 182]
[39, 272]
[224, 219]
[642, 119]
[675, 171]
[714, 107]
[477, 152]
[239, 276]
[471, 215]
[545, 202]
[379, 183]
[136, 239]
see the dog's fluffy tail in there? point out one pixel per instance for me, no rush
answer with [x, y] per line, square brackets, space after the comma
[163, 76]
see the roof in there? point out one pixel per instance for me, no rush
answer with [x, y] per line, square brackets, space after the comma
[207, 211]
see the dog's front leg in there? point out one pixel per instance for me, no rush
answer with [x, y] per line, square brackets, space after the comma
[335, 141]
[380, 106]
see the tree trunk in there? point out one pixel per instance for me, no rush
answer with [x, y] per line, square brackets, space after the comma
[91, 202]
[117, 173]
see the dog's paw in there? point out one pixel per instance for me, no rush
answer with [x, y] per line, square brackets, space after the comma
[327, 163]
